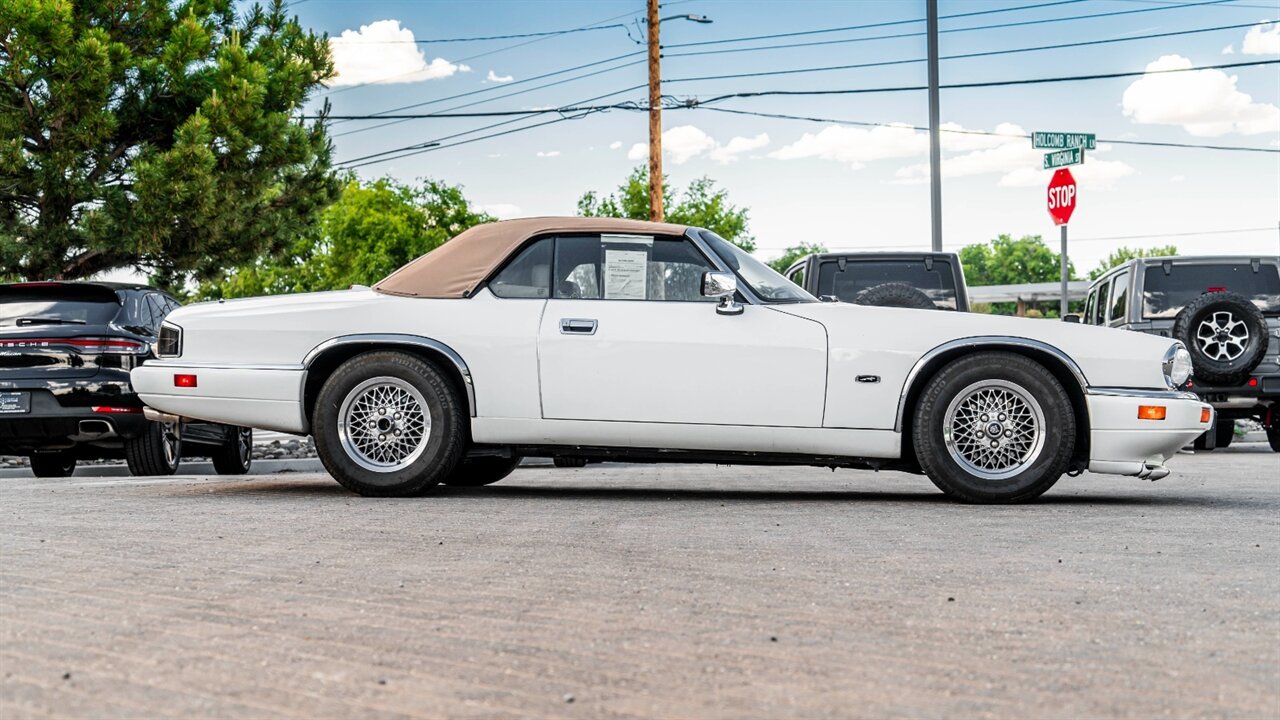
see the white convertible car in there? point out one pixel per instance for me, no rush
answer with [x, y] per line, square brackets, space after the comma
[598, 338]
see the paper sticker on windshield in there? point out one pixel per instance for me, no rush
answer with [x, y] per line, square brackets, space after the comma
[625, 274]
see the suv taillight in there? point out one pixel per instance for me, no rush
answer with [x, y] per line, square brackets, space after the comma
[94, 345]
[169, 343]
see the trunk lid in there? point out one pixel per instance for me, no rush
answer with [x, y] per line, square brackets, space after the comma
[52, 331]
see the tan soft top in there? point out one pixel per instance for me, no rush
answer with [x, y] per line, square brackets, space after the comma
[456, 269]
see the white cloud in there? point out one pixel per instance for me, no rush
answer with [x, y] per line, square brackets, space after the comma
[1262, 39]
[1205, 103]
[615, 144]
[382, 52]
[496, 78]
[1229, 50]
[730, 151]
[502, 211]
[856, 146]
[549, 153]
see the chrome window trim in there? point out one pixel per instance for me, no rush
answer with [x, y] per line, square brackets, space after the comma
[395, 339]
[976, 342]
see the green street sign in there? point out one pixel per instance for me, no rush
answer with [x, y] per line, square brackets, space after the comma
[1062, 141]
[1063, 158]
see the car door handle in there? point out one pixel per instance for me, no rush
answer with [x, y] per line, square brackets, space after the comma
[577, 326]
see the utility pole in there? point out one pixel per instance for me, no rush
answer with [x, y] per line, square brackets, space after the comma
[655, 116]
[935, 146]
[1062, 303]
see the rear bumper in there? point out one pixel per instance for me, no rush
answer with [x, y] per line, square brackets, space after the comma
[51, 426]
[1122, 444]
[266, 398]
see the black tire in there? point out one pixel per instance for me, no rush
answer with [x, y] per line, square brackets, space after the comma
[412, 468]
[894, 294]
[157, 451]
[1019, 379]
[53, 464]
[1226, 432]
[235, 455]
[564, 461]
[1214, 355]
[475, 472]
[1273, 437]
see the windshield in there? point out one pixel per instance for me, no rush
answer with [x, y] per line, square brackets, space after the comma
[1165, 294]
[763, 280]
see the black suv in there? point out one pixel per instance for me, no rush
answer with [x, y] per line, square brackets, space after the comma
[925, 280]
[66, 349]
[1226, 310]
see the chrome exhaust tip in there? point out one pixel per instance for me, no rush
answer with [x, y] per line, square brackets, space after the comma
[156, 416]
[94, 428]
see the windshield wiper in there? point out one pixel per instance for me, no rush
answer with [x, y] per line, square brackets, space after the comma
[22, 322]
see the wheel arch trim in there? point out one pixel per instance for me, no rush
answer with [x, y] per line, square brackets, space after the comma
[393, 339]
[975, 344]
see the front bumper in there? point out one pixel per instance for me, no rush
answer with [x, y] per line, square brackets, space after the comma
[1122, 444]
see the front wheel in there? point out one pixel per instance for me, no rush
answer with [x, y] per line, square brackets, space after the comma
[389, 424]
[994, 427]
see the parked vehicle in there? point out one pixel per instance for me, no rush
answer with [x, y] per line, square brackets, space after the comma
[923, 280]
[66, 349]
[590, 337]
[1226, 310]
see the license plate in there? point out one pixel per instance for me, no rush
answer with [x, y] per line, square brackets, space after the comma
[12, 403]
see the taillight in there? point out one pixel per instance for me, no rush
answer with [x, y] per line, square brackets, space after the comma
[184, 381]
[109, 346]
[169, 342]
[115, 409]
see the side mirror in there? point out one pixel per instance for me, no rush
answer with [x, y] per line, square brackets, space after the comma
[1071, 318]
[724, 286]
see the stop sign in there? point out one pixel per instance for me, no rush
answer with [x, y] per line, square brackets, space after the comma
[1062, 196]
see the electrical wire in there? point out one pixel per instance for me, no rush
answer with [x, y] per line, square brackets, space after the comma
[1021, 23]
[962, 56]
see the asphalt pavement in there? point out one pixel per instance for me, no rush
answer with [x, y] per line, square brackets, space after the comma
[644, 591]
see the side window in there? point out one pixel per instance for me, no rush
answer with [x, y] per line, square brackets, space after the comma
[629, 267]
[1100, 310]
[1089, 305]
[528, 275]
[1120, 297]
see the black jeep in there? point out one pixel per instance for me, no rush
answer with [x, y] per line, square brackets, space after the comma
[66, 349]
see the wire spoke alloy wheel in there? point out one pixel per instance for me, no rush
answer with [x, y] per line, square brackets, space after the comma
[1222, 336]
[384, 424]
[994, 429]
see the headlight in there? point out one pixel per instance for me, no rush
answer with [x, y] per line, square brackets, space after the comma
[1177, 366]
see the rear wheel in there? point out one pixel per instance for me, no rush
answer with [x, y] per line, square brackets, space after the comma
[994, 427]
[235, 455]
[53, 464]
[389, 424]
[1226, 432]
[156, 451]
[474, 472]
[1273, 437]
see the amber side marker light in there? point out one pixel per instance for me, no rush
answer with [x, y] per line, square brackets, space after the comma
[184, 381]
[1151, 412]
[1205, 415]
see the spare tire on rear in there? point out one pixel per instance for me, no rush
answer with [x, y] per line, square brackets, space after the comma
[1226, 335]
[894, 294]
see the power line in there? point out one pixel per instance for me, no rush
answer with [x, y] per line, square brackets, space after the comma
[870, 26]
[860, 123]
[985, 84]
[1021, 23]
[496, 37]
[963, 56]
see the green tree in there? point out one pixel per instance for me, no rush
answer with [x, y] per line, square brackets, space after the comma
[155, 134]
[794, 253]
[371, 230]
[1125, 254]
[701, 204]
[1006, 261]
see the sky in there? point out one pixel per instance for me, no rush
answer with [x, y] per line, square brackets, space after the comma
[844, 186]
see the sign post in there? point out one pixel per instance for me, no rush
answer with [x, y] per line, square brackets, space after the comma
[1061, 198]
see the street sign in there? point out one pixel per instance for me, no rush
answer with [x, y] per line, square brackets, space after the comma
[1062, 158]
[1062, 196]
[1062, 141]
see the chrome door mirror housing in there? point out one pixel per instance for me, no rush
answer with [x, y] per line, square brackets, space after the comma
[724, 287]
